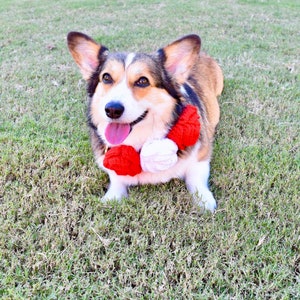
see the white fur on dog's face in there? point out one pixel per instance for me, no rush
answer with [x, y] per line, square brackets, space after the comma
[151, 100]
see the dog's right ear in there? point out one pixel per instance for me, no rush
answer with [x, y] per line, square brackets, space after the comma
[86, 52]
[180, 56]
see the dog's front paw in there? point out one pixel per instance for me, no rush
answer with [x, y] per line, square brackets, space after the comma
[115, 193]
[158, 155]
[205, 199]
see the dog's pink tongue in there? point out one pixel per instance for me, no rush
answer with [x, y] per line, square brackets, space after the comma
[116, 133]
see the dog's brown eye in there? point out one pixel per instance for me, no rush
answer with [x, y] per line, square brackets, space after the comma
[142, 82]
[107, 79]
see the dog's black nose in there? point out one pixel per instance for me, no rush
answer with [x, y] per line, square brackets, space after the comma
[114, 110]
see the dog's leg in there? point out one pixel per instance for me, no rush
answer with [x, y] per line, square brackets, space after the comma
[117, 189]
[196, 180]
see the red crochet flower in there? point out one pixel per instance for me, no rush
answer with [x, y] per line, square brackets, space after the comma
[124, 160]
[186, 131]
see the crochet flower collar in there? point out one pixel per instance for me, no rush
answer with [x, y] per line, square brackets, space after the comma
[157, 155]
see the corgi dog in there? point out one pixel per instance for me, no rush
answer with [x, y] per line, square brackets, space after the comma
[136, 99]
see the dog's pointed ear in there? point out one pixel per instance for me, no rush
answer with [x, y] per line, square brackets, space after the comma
[180, 56]
[86, 52]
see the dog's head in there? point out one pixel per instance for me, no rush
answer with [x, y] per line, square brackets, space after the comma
[134, 97]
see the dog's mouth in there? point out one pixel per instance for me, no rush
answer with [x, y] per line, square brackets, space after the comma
[116, 133]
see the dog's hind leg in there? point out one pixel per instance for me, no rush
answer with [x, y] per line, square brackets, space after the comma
[196, 179]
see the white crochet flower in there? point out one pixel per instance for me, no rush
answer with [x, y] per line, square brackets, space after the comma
[158, 155]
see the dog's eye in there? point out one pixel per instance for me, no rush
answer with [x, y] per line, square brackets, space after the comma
[142, 82]
[107, 79]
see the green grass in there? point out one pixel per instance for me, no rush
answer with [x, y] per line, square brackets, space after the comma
[58, 241]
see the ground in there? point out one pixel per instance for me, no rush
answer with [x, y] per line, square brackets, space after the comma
[58, 241]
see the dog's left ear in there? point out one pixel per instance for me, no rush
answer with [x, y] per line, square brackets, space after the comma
[180, 56]
[86, 52]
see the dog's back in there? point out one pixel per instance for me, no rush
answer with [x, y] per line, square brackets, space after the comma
[209, 86]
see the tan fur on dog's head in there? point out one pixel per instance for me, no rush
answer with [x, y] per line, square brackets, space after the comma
[138, 82]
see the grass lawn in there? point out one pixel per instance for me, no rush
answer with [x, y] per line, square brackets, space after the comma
[58, 241]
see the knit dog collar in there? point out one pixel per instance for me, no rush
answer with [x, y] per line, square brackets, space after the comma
[125, 160]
